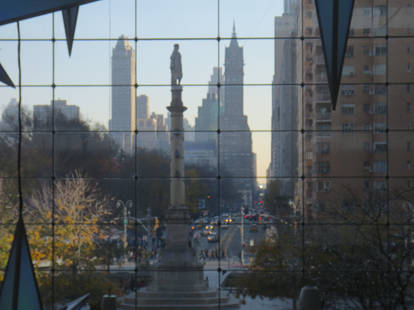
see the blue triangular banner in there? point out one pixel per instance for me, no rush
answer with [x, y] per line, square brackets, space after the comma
[14, 10]
[19, 290]
[69, 19]
[334, 17]
[4, 77]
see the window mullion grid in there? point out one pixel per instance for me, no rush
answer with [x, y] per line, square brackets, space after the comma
[218, 178]
[135, 202]
[387, 179]
[53, 170]
[303, 178]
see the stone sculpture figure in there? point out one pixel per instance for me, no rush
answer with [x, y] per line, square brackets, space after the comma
[175, 66]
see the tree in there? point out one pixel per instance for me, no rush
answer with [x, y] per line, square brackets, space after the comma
[79, 208]
[362, 260]
[8, 213]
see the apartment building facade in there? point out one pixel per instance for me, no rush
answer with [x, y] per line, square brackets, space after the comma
[361, 153]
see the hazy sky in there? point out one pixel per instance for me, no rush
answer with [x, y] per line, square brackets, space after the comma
[90, 61]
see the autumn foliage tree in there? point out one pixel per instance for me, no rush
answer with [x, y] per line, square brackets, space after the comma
[78, 209]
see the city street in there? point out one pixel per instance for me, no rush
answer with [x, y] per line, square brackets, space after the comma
[231, 244]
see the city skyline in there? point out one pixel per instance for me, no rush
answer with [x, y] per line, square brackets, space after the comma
[95, 102]
[197, 152]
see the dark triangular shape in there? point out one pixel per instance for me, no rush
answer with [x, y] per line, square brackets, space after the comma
[19, 290]
[334, 17]
[4, 77]
[69, 19]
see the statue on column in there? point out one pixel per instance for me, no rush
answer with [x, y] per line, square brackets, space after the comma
[175, 66]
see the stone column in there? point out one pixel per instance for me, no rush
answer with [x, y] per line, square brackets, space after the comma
[178, 219]
[177, 197]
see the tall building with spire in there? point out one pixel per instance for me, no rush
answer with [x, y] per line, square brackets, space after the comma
[236, 156]
[123, 105]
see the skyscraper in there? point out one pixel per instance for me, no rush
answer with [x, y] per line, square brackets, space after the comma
[206, 121]
[236, 155]
[123, 107]
[153, 130]
[142, 107]
[285, 100]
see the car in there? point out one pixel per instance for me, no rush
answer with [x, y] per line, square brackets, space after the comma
[253, 228]
[212, 237]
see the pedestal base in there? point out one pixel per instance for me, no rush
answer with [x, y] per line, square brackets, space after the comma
[178, 278]
[206, 300]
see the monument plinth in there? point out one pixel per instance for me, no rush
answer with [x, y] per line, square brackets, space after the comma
[178, 279]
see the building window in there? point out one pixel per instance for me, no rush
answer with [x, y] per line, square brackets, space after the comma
[324, 126]
[408, 146]
[347, 126]
[367, 108]
[367, 127]
[380, 10]
[409, 164]
[380, 147]
[380, 127]
[348, 90]
[380, 50]
[365, 31]
[366, 11]
[380, 90]
[348, 70]
[348, 108]
[367, 70]
[375, 90]
[323, 147]
[349, 51]
[324, 186]
[380, 166]
[366, 50]
[367, 147]
[380, 186]
[380, 69]
[380, 108]
[323, 167]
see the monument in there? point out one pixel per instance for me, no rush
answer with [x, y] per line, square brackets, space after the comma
[178, 279]
[178, 267]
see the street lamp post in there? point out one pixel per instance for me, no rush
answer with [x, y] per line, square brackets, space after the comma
[242, 236]
[294, 208]
[125, 206]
